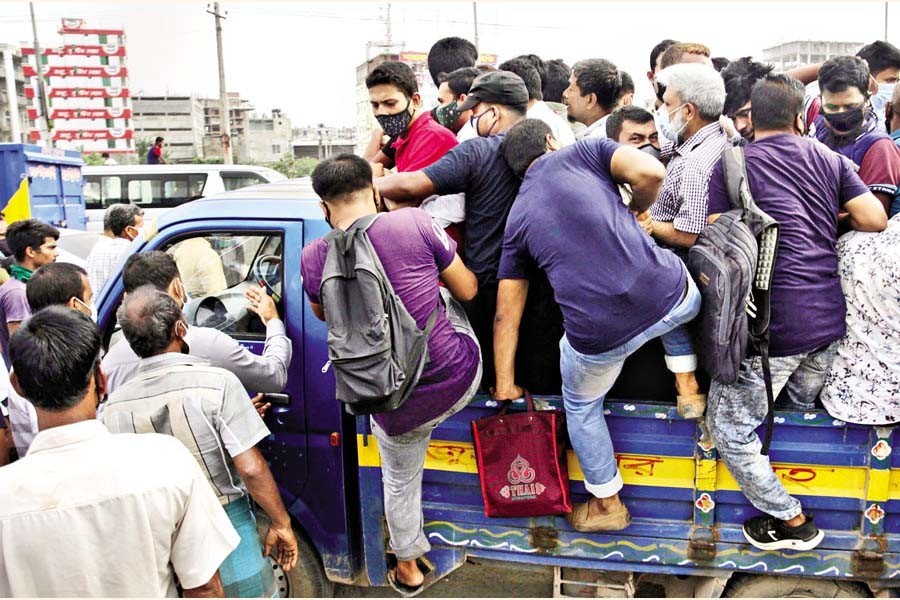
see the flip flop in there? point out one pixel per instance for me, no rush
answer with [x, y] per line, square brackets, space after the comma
[406, 591]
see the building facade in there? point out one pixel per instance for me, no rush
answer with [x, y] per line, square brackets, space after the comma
[239, 119]
[269, 136]
[178, 119]
[797, 54]
[13, 104]
[85, 79]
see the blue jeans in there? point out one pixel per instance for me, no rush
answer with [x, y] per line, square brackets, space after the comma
[586, 379]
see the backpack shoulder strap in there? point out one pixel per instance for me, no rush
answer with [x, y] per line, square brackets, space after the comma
[734, 168]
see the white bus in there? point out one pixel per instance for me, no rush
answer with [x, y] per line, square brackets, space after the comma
[157, 188]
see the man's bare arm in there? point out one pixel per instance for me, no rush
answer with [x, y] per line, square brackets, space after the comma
[511, 296]
[211, 589]
[644, 173]
[405, 188]
[665, 232]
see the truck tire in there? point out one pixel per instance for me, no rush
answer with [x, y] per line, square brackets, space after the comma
[307, 579]
[769, 586]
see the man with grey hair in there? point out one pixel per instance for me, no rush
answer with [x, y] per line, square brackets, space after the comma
[124, 223]
[208, 410]
[689, 118]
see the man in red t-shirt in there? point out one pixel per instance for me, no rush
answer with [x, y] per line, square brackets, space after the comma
[416, 139]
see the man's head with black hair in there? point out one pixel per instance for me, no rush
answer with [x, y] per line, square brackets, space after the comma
[778, 104]
[594, 90]
[55, 356]
[124, 220]
[448, 54]
[689, 52]
[844, 84]
[740, 76]
[632, 125]
[556, 81]
[538, 63]
[451, 93]
[32, 242]
[394, 96]
[883, 60]
[626, 95]
[524, 68]
[720, 62]
[154, 268]
[655, 67]
[344, 185]
[60, 284]
[525, 142]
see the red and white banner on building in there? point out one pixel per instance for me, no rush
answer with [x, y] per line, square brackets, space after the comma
[61, 71]
[109, 112]
[115, 133]
[80, 50]
[71, 92]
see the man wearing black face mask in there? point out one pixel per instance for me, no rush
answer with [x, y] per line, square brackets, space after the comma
[848, 125]
[417, 140]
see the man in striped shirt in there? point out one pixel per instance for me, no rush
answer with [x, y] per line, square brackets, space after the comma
[208, 410]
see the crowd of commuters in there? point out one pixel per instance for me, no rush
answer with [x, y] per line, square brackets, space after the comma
[549, 218]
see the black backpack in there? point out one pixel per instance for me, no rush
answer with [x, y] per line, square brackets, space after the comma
[377, 350]
[732, 264]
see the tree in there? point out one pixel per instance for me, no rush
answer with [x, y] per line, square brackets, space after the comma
[292, 167]
[93, 159]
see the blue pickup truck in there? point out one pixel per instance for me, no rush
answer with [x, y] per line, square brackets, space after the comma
[687, 510]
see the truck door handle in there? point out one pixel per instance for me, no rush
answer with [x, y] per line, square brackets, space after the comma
[278, 399]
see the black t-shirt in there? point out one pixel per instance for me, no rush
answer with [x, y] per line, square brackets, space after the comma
[476, 168]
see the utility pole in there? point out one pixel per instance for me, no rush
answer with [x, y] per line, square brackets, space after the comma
[224, 116]
[885, 21]
[42, 90]
[475, 18]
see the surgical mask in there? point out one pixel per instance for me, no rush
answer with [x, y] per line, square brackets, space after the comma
[650, 149]
[91, 310]
[882, 98]
[448, 114]
[846, 123]
[138, 231]
[185, 349]
[394, 125]
[669, 130]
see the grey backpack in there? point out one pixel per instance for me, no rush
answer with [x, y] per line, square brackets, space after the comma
[374, 345]
[732, 264]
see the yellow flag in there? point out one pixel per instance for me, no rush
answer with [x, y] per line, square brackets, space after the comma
[19, 206]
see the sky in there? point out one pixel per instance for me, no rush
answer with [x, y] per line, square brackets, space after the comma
[301, 57]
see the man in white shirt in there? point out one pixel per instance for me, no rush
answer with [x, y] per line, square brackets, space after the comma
[524, 67]
[84, 499]
[124, 222]
[595, 88]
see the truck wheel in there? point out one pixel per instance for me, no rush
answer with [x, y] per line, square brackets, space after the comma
[307, 579]
[769, 586]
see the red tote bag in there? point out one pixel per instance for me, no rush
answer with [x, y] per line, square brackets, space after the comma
[522, 462]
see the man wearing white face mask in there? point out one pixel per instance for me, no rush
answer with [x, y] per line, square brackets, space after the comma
[884, 71]
[125, 223]
[689, 118]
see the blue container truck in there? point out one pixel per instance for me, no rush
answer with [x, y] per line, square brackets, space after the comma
[53, 179]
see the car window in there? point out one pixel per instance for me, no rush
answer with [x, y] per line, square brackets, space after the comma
[217, 268]
[237, 180]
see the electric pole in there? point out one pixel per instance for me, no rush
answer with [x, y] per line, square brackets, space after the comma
[224, 116]
[885, 21]
[475, 16]
[42, 90]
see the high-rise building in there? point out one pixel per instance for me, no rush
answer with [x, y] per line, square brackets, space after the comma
[177, 119]
[13, 104]
[87, 94]
[797, 54]
[239, 119]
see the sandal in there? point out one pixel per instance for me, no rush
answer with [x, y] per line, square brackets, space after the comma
[406, 591]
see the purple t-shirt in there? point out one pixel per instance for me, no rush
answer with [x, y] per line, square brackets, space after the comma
[13, 307]
[801, 184]
[608, 276]
[413, 250]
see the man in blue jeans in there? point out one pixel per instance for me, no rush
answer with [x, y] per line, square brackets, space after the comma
[617, 289]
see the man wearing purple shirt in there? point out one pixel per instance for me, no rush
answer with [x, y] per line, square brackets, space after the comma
[33, 244]
[802, 185]
[415, 254]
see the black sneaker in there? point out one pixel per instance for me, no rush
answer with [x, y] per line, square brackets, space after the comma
[768, 533]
